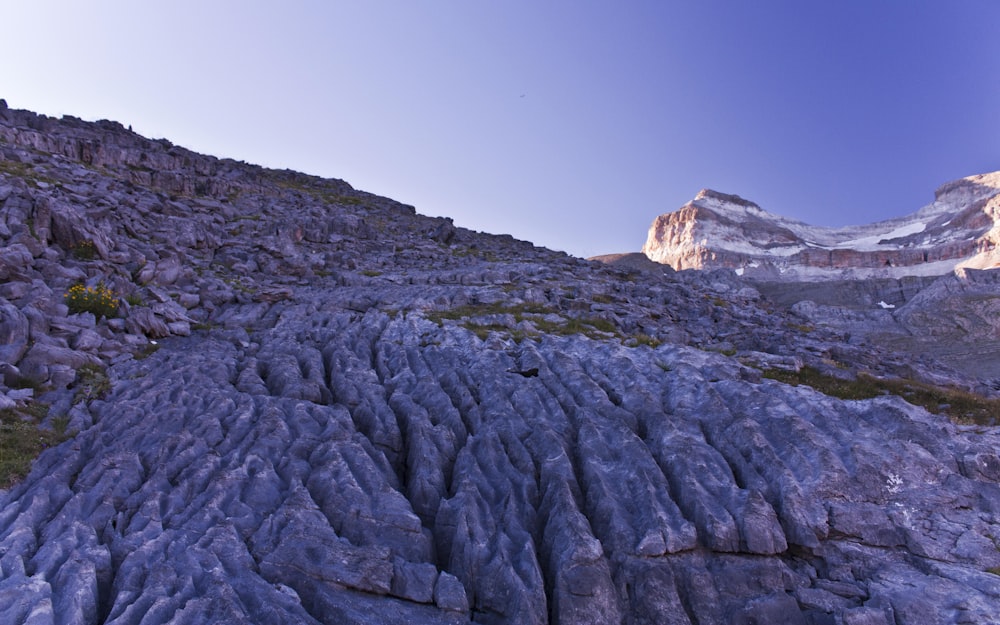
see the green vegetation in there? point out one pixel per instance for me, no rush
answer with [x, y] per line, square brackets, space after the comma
[147, 351]
[84, 250]
[804, 328]
[479, 310]
[960, 406]
[343, 199]
[303, 183]
[134, 299]
[649, 341]
[99, 300]
[248, 217]
[91, 383]
[23, 381]
[25, 171]
[371, 273]
[488, 256]
[537, 314]
[21, 440]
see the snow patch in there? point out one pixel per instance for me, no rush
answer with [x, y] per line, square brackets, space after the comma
[884, 305]
[870, 243]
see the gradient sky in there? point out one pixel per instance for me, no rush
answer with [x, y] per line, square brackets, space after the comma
[571, 124]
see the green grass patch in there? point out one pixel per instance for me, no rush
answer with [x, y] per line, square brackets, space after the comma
[534, 313]
[958, 405]
[371, 273]
[488, 256]
[349, 200]
[804, 328]
[25, 171]
[21, 440]
[860, 388]
[479, 310]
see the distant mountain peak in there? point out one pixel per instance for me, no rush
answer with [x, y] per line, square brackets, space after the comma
[961, 228]
[725, 197]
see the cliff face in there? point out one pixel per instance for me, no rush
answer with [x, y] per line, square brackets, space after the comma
[314, 405]
[961, 228]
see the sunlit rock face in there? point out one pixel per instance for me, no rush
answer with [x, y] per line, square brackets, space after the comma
[715, 230]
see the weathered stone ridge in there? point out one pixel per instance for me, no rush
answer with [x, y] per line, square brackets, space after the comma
[323, 407]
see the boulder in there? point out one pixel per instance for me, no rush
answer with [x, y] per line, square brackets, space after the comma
[14, 333]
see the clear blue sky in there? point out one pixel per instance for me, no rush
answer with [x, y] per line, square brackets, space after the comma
[571, 124]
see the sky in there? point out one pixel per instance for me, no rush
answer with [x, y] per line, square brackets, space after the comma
[571, 124]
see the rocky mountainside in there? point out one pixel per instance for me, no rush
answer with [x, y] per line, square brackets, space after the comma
[960, 229]
[303, 403]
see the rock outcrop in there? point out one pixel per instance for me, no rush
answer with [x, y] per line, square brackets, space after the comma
[961, 228]
[323, 407]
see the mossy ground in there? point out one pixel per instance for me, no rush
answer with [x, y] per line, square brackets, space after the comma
[542, 319]
[22, 439]
[960, 406]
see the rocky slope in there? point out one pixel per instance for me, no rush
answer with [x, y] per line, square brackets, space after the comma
[357, 414]
[961, 228]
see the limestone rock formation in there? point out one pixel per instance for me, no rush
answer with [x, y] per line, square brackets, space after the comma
[961, 228]
[321, 407]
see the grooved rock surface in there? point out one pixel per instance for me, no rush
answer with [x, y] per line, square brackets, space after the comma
[355, 414]
[425, 483]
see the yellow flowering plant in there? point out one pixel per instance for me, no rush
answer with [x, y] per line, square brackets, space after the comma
[99, 300]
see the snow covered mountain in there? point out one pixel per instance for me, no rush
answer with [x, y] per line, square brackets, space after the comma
[960, 228]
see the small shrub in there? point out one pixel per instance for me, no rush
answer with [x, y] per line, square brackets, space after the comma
[84, 250]
[134, 299]
[99, 300]
[147, 351]
[645, 339]
[91, 383]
